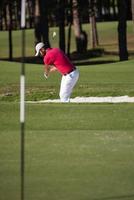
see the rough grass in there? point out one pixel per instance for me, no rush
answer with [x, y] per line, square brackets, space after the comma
[95, 80]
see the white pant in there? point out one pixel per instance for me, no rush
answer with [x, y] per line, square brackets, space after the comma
[67, 84]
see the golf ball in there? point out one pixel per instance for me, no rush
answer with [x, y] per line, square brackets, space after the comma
[54, 34]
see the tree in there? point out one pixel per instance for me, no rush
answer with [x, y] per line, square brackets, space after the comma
[132, 6]
[80, 35]
[7, 6]
[122, 29]
[37, 22]
[69, 20]
[92, 19]
[1, 4]
[10, 31]
[113, 5]
[61, 23]
[99, 6]
[41, 22]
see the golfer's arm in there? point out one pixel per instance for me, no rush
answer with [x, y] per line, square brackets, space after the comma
[53, 68]
[46, 69]
[49, 68]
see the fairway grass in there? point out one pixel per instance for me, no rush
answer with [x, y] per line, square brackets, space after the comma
[95, 80]
[69, 165]
[73, 152]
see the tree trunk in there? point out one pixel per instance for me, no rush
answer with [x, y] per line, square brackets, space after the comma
[69, 19]
[61, 20]
[99, 5]
[9, 22]
[69, 39]
[81, 37]
[114, 9]
[122, 29]
[41, 22]
[37, 23]
[93, 33]
[44, 21]
[132, 6]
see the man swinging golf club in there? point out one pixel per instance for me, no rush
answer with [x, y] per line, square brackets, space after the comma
[56, 60]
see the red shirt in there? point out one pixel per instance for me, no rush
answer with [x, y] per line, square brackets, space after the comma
[56, 57]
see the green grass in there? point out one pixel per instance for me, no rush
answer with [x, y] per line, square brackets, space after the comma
[54, 116]
[107, 31]
[95, 80]
[72, 152]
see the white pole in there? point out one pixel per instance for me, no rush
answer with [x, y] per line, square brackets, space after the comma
[22, 99]
[22, 79]
[23, 10]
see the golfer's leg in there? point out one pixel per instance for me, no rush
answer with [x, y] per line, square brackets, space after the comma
[67, 84]
[63, 96]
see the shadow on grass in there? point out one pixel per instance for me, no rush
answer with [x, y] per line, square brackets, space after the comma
[77, 59]
[116, 197]
[96, 62]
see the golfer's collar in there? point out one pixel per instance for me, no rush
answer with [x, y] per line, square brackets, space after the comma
[48, 49]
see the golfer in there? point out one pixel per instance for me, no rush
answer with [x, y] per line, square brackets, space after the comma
[55, 60]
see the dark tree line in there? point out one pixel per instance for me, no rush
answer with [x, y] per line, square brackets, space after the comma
[106, 10]
[122, 29]
[41, 14]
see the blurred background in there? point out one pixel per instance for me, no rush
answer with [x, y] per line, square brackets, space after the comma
[73, 151]
[84, 29]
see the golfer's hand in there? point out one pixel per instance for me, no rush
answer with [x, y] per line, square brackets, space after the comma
[45, 75]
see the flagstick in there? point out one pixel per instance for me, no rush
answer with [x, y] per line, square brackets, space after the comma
[22, 100]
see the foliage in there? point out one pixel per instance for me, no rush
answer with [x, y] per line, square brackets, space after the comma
[105, 11]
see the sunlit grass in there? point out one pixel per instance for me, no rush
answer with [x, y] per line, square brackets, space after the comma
[107, 31]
